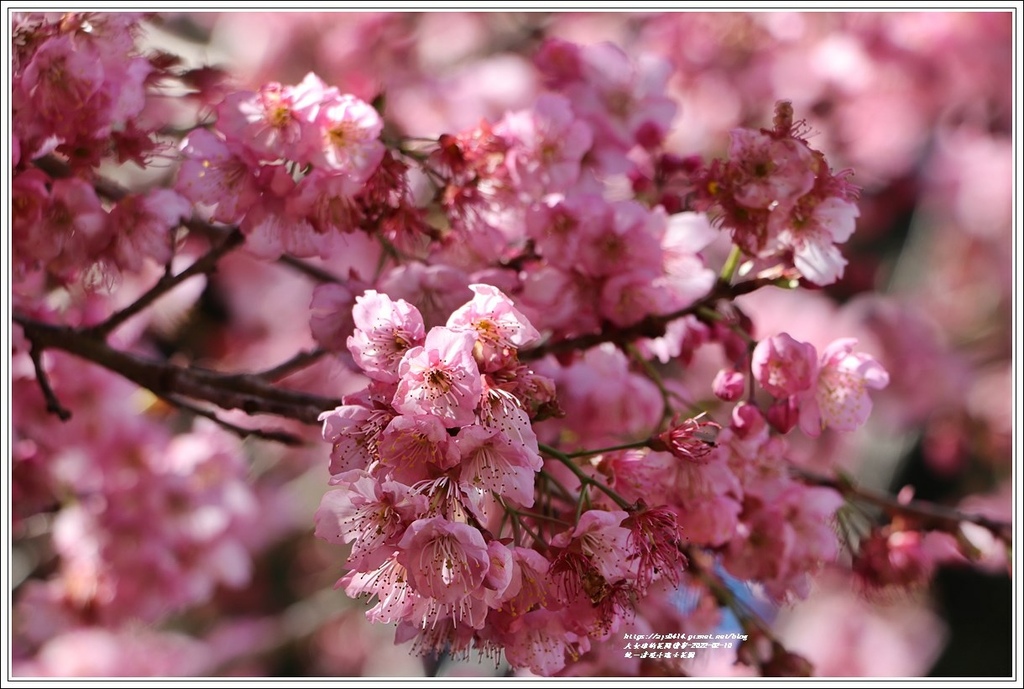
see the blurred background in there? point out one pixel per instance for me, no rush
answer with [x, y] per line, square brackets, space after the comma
[920, 105]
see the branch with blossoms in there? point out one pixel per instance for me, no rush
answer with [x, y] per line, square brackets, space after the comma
[513, 473]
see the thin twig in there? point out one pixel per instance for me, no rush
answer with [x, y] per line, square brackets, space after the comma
[584, 479]
[296, 363]
[649, 327]
[283, 437]
[53, 404]
[205, 264]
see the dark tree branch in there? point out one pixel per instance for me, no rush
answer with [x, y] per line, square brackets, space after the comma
[227, 391]
[53, 404]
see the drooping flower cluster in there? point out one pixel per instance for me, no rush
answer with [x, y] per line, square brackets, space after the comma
[467, 538]
[780, 200]
[429, 457]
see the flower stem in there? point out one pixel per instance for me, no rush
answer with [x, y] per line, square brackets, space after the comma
[603, 450]
[731, 264]
[584, 479]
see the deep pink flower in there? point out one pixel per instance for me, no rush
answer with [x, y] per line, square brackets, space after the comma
[328, 201]
[655, 540]
[641, 475]
[491, 460]
[74, 225]
[771, 171]
[385, 330]
[729, 385]
[436, 290]
[61, 79]
[415, 447]
[214, 175]
[603, 541]
[627, 237]
[446, 560]
[497, 324]
[440, 378]
[628, 298]
[692, 440]
[142, 227]
[547, 144]
[271, 231]
[783, 366]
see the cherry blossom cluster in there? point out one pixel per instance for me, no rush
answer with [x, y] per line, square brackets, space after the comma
[445, 495]
[466, 537]
[296, 167]
[430, 456]
[780, 199]
[80, 89]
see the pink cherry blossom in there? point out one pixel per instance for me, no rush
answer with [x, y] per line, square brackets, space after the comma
[390, 583]
[499, 327]
[143, 227]
[772, 171]
[440, 378]
[436, 290]
[540, 641]
[627, 237]
[729, 385]
[812, 236]
[839, 398]
[349, 129]
[603, 541]
[415, 447]
[274, 122]
[354, 432]
[61, 79]
[76, 226]
[655, 540]
[330, 315]
[784, 366]
[328, 201]
[493, 461]
[547, 145]
[370, 515]
[214, 175]
[446, 560]
[385, 330]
